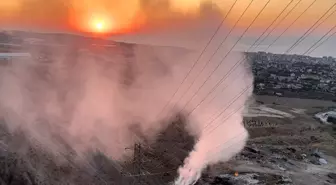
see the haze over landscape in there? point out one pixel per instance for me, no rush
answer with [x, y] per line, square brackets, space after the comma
[168, 92]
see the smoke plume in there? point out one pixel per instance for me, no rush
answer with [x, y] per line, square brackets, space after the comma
[83, 97]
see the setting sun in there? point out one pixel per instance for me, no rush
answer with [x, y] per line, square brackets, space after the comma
[99, 26]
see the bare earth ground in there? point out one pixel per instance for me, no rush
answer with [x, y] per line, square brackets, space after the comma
[281, 150]
[286, 150]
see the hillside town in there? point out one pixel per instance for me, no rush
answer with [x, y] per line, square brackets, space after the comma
[294, 75]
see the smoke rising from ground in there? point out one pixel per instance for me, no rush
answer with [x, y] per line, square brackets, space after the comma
[86, 98]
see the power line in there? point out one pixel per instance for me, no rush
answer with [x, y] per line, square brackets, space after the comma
[181, 97]
[322, 42]
[241, 94]
[274, 21]
[308, 32]
[283, 18]
[287, 50]
[309, 50]
[218, 48]
[305, 52]
[291, 24]
[202, 101]
[234, 67]
[199, 57]
[223, 79]
[214, 118]
[235, 137]
[226, 56]
[325, 35]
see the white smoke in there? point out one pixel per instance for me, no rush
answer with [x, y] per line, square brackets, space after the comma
[217, 122]
[94, 100]
[85, 100]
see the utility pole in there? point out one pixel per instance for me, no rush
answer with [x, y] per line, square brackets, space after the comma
[137, 162]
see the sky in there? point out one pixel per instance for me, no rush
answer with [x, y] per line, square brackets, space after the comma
[141, 17]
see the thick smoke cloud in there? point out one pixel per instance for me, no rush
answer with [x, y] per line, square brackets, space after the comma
[82, 99]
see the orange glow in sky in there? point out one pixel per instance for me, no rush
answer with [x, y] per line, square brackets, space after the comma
[103, 16]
